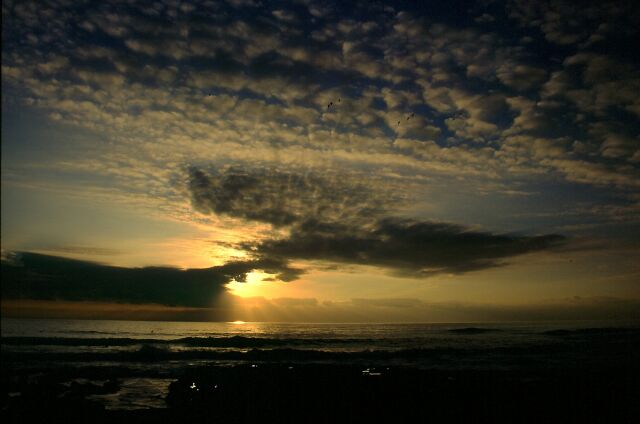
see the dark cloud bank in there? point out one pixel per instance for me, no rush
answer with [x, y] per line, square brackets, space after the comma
[341, 221]
[43, 277]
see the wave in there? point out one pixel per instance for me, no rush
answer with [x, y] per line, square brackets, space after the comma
[606, 331]
[554, 352]
[246, 342]
[473, 330]
[230, 342]
[150, 353]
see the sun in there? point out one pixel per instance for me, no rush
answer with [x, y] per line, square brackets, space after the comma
[254, 285]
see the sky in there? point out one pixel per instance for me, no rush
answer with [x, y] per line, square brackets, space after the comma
[321, 161]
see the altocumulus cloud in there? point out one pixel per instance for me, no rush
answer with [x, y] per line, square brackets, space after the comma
[509, 93]
[43, 277]
[331, 221]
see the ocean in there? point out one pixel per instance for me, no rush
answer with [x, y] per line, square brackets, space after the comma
[144, 358]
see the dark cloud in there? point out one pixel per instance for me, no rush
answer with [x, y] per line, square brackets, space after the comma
[339, 223]
[284, 198]
[566, 23]
[406, 247]
[521, 77]
[42, 277]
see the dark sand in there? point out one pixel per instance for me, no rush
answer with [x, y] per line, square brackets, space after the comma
[333, 393]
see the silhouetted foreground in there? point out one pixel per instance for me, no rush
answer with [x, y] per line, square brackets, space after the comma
[316, 393]
[303, 373]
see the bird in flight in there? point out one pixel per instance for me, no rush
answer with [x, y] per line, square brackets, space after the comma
[408, 117]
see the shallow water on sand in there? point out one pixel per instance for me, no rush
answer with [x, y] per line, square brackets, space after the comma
[136, 393]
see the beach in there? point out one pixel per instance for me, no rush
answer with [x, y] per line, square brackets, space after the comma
[288, 373]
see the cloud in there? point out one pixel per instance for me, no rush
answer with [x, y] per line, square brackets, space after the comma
[388, 302]
[341, 222]
[521, 77]
[404, 247]
[485, 18]
[82, 250]
[550, 18]
[41, 277]
[207, 81]
[142, 93]
[284, 198]
[597, 84]
[355, 310]
[63, 309]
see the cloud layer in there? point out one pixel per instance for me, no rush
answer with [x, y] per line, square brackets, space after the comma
[245, 83]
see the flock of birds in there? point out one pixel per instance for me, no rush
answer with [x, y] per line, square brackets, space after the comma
[331, 104]
[339, 100]
[408, 117]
